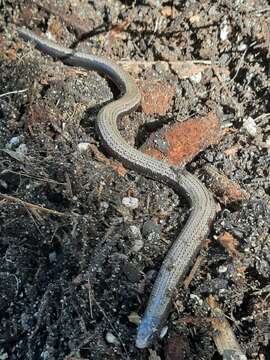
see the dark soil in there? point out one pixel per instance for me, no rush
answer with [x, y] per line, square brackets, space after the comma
[72, 286]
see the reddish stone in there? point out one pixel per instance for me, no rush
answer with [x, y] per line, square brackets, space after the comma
[156, 96]
[181, 142]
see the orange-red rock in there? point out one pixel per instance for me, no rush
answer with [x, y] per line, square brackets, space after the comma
[181, 142]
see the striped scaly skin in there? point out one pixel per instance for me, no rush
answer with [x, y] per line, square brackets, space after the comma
[189, 241]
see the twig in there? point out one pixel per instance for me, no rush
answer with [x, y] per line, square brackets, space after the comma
[31, 212]
[195, 267]
[15, 155]
[224, 86]
[13, 92]
[225, 339]
[258, 11]
[39, 178]
[90, 298]
[117, 167]
[32, 206]
[151, 63]
[238, 67]
[226, 190]
[240, 63]
[71, 20]
[262, 116]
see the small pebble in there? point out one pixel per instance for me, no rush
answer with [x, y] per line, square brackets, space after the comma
[130, 202]
[22, 149]
[196, 298]
[209, 157]
[3, 356]
[135, 231]
[163, 332]
[162, 67]
[44, 355]
[224, 31]
[134, 318]
[104, 205]
[111, 339]
[242, 47]
[267, 144]
[212, 11]
[222, 292]
[222, 269]
[224, 59]
[14, 142]
[250, 126]
[83, 146]
[161, 145]
[138, 245]
[52, 257]
[136, 237]
[196, 78]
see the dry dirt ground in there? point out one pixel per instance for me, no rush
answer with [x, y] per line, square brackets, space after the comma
[74, 279]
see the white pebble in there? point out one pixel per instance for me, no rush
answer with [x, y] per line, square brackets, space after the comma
[196, 298]
[222, 292]
[242, 47]
[44, 355]
[163, 332]
[250, 126]
[130, 202]
[224, 31]
[222, 269]
[83, 146]
[135, 231]
[136, 236]
[138, 245]
[14, 142]
[104, 205]
[267, 143]
[196, 78]
[111, 339]
[52, 257]
[22, 149]
[134, 318]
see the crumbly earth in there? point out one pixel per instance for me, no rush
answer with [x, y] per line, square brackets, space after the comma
[75, 280]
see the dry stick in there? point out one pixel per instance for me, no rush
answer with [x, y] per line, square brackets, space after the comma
[70, 20]
[13, 92]
[33, 219]
[262, 116]
[195, 267]
[32, 206]
[238, 67]
[39, 178]
[240, 63]
[257, 11]
[224, 337]
[177, 62]
[225, 189]
[90, 298]
[224, 86]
